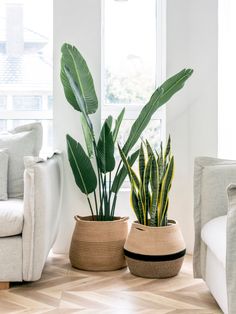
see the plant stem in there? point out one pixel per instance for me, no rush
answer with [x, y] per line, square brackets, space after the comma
[109, 193]
[96, 203]
[105, 194]
[115, 197]
[113, 206]
[91, 208]
[98, 172]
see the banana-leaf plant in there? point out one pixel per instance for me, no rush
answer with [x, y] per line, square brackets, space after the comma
[149, 196]
[93, 168]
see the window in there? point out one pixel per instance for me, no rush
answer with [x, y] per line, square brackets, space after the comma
[26, 65]
[133, 61]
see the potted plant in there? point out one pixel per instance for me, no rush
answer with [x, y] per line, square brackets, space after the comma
[155, 247]
[98, 239]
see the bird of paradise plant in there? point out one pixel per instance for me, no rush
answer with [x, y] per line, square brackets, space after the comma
[97, 180]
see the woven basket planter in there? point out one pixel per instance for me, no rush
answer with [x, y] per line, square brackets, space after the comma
[155, 252]
[98, 245]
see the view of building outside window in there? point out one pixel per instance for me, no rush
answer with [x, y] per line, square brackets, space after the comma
[131, 65]
[26, 64]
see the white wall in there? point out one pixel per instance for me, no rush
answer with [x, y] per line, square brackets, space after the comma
[192, 28]
[191, 115]
[77, 22]
[227, 66]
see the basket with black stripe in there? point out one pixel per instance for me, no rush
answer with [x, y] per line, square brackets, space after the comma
[155, 252]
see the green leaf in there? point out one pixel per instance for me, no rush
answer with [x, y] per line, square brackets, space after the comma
[125, 162]
[149, 149]
[81, 166]
[80, 100]
[109, 121]
[87, 136]
[155, 184]
[135, 205]
[117, 124]
[160, 162]
[147, 174]
[141, 162]
[167, 150]
[74, 61]
[132, 175]
[135, 178]
[105, 150]
[121, 175]
[159, 98]
[165, 188]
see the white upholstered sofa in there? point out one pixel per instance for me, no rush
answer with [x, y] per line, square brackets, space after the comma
[215, 228]
[28, 225]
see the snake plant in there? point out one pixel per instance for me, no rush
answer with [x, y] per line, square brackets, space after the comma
[92, 167]
[149, 195]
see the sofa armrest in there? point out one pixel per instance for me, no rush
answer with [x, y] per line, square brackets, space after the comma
[211, 178]
[231, 249]
[42, 206]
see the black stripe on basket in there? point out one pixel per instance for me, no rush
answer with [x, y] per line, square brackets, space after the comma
[155, 258]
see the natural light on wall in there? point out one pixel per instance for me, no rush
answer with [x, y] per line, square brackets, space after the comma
[227, 82]
[133, 61]
[26, 64]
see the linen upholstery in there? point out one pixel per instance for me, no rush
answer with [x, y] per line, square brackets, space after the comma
[25, 140]
[3, 174]
[231, 249]
[216, 280]
[11, 217]
[42, 204]
[11, 258]
[22, 257]
[214, 236]
[213, 179]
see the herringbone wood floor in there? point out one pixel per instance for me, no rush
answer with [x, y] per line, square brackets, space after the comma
[63, 289]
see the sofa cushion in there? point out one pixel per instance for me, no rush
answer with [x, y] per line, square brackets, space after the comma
[214, 236]
[25, 140]
[3, 174]
[11, 217]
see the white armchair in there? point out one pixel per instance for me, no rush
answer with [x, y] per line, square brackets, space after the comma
[28, 227]
[215, 228]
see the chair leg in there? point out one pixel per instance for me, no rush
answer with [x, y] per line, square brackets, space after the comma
[4, 285]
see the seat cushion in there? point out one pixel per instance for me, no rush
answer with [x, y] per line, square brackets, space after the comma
[11, 217]
[214, 236]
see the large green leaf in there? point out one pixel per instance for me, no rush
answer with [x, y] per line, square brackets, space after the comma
[74, 61]
[88, 136]
[117, 124]
[121, 175]
[105, 150]
[159, 98]
[81, 166]
[80, 101]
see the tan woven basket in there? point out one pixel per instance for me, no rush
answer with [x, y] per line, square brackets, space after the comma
[155, 252]
[98, 245]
